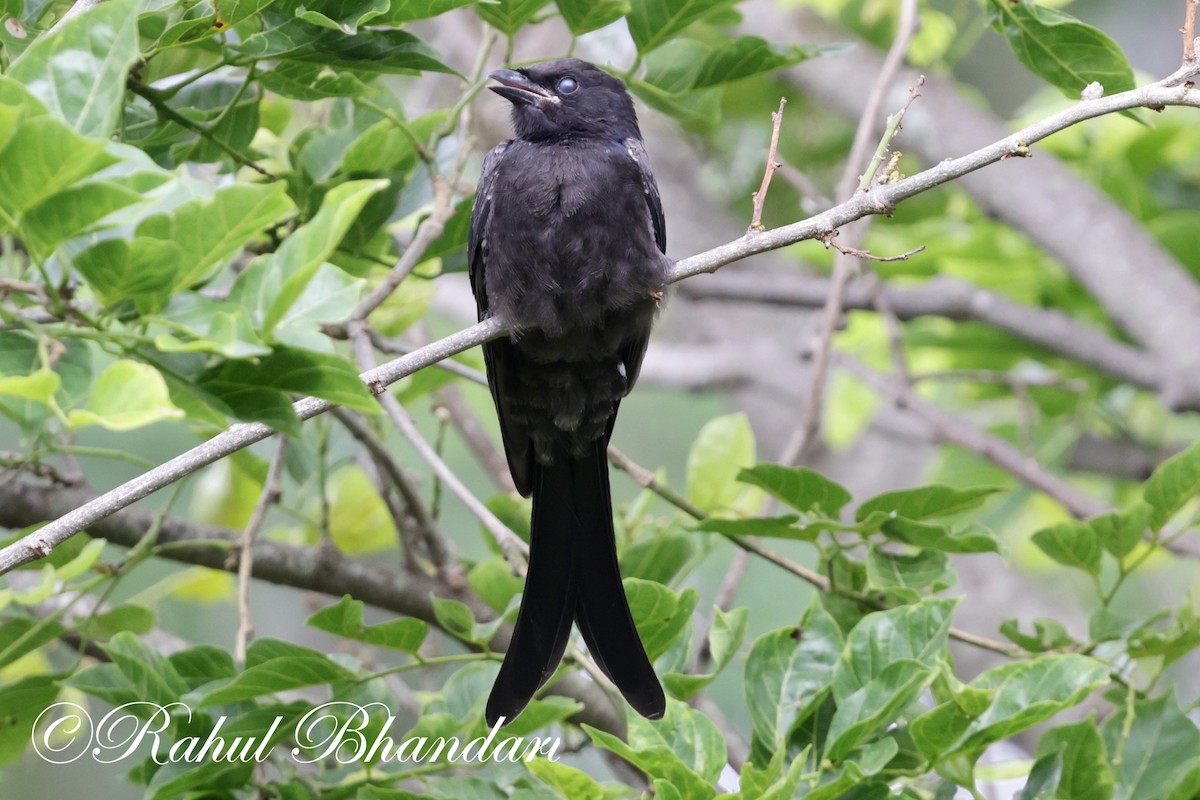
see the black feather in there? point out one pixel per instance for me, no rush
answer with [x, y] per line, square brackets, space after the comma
[567, 242]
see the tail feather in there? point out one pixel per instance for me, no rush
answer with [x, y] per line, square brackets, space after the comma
[602, 610]
[544, 621]
[573, 572]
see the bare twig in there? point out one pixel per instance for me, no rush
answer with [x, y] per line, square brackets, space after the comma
[1189, 31]
[889, 133]
[879, 199]
[804, 435]
[271, 492]
[435, 545]
[510, 544]
[868, 121]
[830, 240]
[160, 106]
[760, 197]
[467, 423]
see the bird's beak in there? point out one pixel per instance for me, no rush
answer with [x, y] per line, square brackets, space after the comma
[517, 88]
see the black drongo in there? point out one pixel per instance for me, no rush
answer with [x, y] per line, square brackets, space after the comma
[567, 243]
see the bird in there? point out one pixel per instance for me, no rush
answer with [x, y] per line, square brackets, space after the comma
[567, 244]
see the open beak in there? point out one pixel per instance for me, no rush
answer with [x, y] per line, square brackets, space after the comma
[517, 88]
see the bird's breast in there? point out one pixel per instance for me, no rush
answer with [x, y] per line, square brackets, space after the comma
[572, 240]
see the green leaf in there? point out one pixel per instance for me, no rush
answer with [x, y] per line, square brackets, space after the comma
[409, 10]
[359, 520]
[908, 577]
[697, 111]
[656, 558]
[82, 562]
[583, 16]
[1060, 49]
[1174, 483]
[152, 677]
[657, 761]
[801, 488]
[1048, 634]
[926, 502]
[272, 284]
[201, 663]
[723, 447]
[241, 383]
[689, 734]
[1072, 544]
[914, 632]
[296, 80]
[79, 70]
[746, 56]
[567, 781]
[42, 158]
[1158, 748]
[1120, 531]
[277, 675]
[660, 614]
[212, 229]
[509, 16]
[23, 702]
[454, 617]
[127, 395]
[139, 270]
[39, 386]
[974, 538]
[727, 634]
[653, 22]
[133, 618]
[788, 672]
[784, 527]
[345, 618]
[72, 212]
[493, 581]
[1083, 770]
[1025, 693]
[381, 51]
[876, 704]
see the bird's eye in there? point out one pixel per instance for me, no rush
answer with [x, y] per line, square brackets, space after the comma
[567, 85]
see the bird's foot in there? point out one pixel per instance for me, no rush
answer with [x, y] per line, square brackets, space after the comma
[657, 297]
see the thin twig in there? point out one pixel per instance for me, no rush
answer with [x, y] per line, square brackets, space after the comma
[435, 545]
[152, 97]
[889, 133]
[510, 544]
[1189, 31]
[467, 423]
[804, 435]
[830, 240]
[760, 197]
[272, 491]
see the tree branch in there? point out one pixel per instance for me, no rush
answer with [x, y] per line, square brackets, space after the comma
[948, 297]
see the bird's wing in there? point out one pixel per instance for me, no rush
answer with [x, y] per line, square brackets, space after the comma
[637, 151]
[498, 354]
[635, 350]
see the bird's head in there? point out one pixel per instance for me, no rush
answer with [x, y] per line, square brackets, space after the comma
[567, 98]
